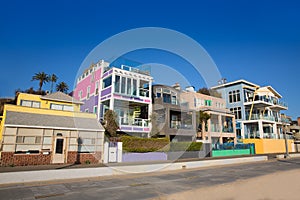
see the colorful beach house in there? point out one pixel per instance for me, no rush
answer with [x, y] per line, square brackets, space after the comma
[49, 129]
[123, 89]
[220, 127]
[258, 114]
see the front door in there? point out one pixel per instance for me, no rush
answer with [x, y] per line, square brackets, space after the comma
[59, 150]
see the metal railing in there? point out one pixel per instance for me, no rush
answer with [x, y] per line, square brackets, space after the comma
[266, 99]
[128, 121]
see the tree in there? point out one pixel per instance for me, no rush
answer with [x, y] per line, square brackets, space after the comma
[42, 77]
[110, 123]
[154, 125]
[62, 87]
[203, 118]
[209, 92]
[53, 78]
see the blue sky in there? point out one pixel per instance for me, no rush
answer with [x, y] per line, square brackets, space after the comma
[255, 40]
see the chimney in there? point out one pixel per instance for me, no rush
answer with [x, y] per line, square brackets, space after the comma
[190, 89]
[176, 86]
[298, 120]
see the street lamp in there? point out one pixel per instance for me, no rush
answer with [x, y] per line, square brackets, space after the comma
[285, 140]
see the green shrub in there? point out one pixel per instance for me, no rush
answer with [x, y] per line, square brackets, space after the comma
[141, 145]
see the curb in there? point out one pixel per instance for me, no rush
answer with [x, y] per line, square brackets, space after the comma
[64, 174]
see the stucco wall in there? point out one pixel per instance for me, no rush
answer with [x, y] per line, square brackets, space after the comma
[263, 146]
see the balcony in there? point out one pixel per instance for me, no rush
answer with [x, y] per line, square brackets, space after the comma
[179, 125]
[260, 117]
[264, 101]
[134, 124]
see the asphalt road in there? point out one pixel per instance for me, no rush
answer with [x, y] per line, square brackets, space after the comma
[148, 185]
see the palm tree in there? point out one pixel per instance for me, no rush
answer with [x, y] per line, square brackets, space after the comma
[53, 78]
[203, 118]
[42, 77]
[62, 87]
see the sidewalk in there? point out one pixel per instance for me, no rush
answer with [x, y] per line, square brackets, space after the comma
[281, 185]
[64, 172]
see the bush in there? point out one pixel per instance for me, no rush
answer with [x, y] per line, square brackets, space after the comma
[141, 145]
[185, 146]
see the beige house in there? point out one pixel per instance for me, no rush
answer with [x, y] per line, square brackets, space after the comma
[220, 128]
[49, 129]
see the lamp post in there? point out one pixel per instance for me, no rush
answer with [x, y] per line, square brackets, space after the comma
[286, 142]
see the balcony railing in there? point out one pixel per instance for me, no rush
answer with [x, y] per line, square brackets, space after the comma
[179, 125]
[270, 100]
[127, 121]
[259, 117]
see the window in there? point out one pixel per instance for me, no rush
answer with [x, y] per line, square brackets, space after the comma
[86, 145]
[97, 87]
[234, 96]
[33, 104]
[237, 112]
[88, 92]
[167, 98]
[107, 82]
[123, 84]
[117, 84]
[208, 102]
[134, 87]
[128, 86]
[29, 139]
[158, 95]
[95, 109]
[174, 100]
[61, 107]
[68, 108]
[80, 95]
[56, 106]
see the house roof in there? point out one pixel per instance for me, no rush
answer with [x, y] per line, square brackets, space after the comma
[234, 83]
[21, 119]
[59, 96]
[270, 88]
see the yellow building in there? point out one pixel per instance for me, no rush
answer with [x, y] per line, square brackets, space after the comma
[49, 129]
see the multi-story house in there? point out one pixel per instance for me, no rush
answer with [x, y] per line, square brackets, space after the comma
[46, 129]
[257, 109]
[220, 127]
[123, 89]
[173, 116]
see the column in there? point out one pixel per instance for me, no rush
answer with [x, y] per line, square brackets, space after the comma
[275, 130]
[260, 129]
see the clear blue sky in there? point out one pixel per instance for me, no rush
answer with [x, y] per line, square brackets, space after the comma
[255, 40]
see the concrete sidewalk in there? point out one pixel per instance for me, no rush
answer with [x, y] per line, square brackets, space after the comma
[64, 174]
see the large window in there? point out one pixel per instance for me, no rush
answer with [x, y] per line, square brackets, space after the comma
[96, 87]
[61, 107]
[123, 85]
[128, 86]
[29, 139]
[86, 145]
[106, 82]
[117, 84]
[166, 98]
[237, 112]
[234, 96]
[88, 92]
[33, 104]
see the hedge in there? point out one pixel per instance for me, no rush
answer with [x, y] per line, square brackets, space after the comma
[185, 146]
[142, 145]
[134, 144]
